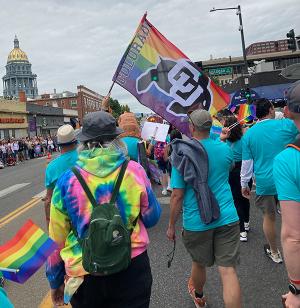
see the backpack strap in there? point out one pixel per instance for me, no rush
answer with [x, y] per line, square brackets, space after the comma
[84, 186]
[295, 145]
[119, 181]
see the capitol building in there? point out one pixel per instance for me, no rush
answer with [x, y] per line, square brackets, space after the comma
[19, 76]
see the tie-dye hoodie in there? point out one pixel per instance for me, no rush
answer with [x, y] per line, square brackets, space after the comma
[99, 168]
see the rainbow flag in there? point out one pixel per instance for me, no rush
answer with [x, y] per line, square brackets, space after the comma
[216, 127]
[246, 113]
[165, 80]
[26, 252]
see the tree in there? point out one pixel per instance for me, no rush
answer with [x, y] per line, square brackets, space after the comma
[216, 80]
[125, 108]
[117, 108]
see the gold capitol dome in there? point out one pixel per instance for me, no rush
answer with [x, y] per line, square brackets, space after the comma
[17, 54]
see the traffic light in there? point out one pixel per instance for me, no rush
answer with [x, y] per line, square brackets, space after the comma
[246, 94]
[291, 40]
[154, 74]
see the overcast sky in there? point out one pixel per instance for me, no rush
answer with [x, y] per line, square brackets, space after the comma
[75, 42]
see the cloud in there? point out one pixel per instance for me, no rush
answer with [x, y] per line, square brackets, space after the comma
[76, 42]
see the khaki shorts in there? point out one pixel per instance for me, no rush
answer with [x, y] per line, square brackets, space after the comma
[267, 204]
[216, 246]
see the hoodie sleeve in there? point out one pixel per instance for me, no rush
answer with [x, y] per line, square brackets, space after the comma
[150, 207]
[59, 229]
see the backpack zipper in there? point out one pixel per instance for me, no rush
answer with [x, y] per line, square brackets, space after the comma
[110, 220]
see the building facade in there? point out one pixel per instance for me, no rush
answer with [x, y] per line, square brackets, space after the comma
[84, 101]
[13, 119]
[43, 120]
[267, 47]
[19, 76]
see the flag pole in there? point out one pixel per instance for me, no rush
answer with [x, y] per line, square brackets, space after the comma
[125, 55]
[11, 270]
[237, 123]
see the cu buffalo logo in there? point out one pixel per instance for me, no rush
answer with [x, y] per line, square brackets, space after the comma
[180, 80]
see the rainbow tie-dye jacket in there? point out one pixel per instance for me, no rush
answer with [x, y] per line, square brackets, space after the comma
[100, 168]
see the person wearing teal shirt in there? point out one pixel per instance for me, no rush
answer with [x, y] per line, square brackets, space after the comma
[286, 172]
[233, 139]
[216, 242]
[261, 144]
[4, 300]
[68, 144]
[132, 147]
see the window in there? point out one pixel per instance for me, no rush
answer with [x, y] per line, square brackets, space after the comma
[73, 103]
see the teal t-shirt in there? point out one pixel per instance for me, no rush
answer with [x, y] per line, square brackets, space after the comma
[220, 160]
[132, 147]
[262, 143]
[236, 148]
[4, 301]
[286, 173]
[58, 166]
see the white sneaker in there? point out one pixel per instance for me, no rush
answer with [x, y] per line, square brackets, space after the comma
[275, 257]
[247, 226]
[243, 237]
[164, 192]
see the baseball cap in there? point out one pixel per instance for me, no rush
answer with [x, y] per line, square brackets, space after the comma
[293, 97]
[201, 119]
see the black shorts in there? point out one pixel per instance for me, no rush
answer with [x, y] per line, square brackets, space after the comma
[130, 288]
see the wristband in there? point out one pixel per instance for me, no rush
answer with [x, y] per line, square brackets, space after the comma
[295, 281]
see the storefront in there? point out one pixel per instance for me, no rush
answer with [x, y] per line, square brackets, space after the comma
[13, 119]
[44, 120]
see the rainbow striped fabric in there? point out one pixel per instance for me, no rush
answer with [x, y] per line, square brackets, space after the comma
[165, 80]
[246, 113]
[216, 127]
[26, 252]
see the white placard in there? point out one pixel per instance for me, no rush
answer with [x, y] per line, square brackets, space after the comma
[156, 130]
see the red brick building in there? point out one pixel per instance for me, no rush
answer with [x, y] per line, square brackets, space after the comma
[84, 101]
[267, 47]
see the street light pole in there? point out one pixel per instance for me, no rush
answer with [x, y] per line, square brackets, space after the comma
[239, 12]
[241, 29]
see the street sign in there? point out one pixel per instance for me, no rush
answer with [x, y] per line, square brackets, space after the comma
[218, 71]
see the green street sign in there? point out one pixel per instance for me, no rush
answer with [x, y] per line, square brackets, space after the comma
[220, 71]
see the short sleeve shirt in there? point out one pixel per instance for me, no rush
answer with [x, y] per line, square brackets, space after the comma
[262, 143]
[58, 166]
[220, 160]
[286, 173]
[236, 148]
[132, 147]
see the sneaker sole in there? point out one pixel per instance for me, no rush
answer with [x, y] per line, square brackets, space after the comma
[243, 239]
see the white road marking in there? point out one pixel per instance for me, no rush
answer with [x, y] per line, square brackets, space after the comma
[12, 189]
[42, 194]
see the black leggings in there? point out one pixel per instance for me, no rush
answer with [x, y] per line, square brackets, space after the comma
[130, 288]
[242, 204]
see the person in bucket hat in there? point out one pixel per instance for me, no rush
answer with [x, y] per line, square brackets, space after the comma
[102, 157]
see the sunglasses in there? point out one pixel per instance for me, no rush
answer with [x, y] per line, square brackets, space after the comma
[171, 254]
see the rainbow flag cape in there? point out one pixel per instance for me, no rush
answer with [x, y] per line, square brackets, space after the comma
[165, 80]
[26, 252]
[216, 127]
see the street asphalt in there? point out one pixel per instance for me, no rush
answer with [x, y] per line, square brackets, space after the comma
[262, 281]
